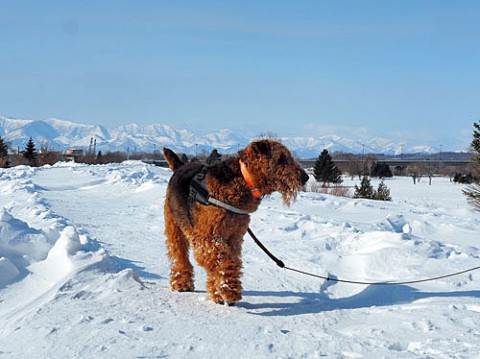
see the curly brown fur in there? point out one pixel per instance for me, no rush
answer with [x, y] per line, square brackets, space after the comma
[214, 234]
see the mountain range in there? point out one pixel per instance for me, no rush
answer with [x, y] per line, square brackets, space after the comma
[57, 134]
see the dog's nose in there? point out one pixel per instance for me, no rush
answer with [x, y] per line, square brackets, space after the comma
[303, 177]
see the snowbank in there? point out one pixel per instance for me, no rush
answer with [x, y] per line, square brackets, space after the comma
[84, 273]
[39, 250]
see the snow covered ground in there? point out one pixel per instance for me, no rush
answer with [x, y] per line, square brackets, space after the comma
[84, 274]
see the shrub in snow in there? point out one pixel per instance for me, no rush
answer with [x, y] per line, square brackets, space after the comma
[365, 190]
[382, 193]
[334, 190]
[463, 178]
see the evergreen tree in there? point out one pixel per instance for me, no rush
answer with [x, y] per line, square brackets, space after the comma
[325, 170]
[380, 170]
[100, 158]
[319, 166]
[382, 193]
[476, 140]
[473, 191]
[365, 190]
[214, 157]
[30, 153]
[4, 162]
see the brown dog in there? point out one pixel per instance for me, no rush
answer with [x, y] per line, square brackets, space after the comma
[216, 234]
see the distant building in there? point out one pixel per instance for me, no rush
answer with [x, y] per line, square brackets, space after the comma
[73, 153]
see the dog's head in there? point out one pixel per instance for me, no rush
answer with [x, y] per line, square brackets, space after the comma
[273, 168]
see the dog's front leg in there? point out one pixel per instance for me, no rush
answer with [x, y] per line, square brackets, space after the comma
[228, 282]
[223, 269]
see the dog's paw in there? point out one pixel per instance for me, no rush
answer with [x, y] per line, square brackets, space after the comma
[230, 295]
[230, 304]
[217, 298]
[182, 287]
[228, 299]
[179, 285]
[187, 289]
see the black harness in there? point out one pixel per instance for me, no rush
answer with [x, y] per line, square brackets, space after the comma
[199, 193]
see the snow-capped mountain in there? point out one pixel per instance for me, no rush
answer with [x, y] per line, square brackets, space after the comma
[60, 134]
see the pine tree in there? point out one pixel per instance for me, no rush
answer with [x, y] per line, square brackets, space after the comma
[476, 140]
[4, 162]
[365, 190]
[382, 193]
[319, 166]
[99, 158]
[30, 153]
[214, 157]
[325, 169]
[381, 170]
[473, 191]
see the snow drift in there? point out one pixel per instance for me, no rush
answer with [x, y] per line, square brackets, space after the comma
[83, 273]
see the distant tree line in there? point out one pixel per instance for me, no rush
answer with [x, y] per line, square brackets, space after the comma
[325, 171]
[31, 156]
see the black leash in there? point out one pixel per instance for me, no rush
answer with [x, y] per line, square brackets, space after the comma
[199, 193]
[327, 278]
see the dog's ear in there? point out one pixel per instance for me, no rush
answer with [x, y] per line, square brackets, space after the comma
[172, 159]
[262, 147]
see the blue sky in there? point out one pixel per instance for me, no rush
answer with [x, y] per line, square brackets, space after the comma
[405, 70]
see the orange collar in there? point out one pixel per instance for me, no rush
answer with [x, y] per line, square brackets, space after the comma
[248, 178]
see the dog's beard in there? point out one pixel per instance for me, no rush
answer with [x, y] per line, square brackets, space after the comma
[289, 192]
[289, 197]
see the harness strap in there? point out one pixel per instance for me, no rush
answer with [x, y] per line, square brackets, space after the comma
[199, 193]
[217, 203]
[198, 190]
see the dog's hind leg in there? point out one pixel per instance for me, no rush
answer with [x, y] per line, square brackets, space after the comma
[181, 270]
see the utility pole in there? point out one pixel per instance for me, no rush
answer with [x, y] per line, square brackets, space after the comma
[363, 159]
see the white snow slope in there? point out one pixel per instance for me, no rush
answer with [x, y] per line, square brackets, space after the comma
[84, 273]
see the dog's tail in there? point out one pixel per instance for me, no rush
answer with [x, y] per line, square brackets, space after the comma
[174, 162]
